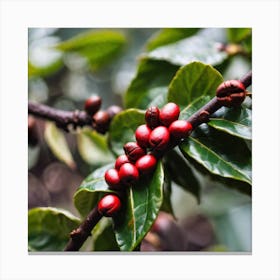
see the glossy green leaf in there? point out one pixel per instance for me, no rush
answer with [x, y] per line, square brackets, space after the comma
[181, 173]
[91, 190]
[58, 144]
[123, 127]
[142, 206]
[200, 47]
[93, 148]
[49, 228]
[104, 237]
[194, 106]
[169, 35]
[166, 205]
[99, 47]
[232, 128]
[193, 81]
[236, 35]
[219, 153]
[235, 121]
[150, 85]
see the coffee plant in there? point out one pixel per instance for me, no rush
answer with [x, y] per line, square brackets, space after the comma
[140, 139]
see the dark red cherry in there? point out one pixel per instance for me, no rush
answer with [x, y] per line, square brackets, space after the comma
[92, 104]
[169, 113]
[159, 138]
[128, 174]
[109, 205]
[142, 135]
[146, 164]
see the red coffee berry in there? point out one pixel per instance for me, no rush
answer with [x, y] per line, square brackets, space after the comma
[113, 110]
[152, 117]
[180, 129]
[128, 174]
[92, 104]
[159, 138]
[101, 121]
[146, 164]
[109, 205]
[142, 135]
[122, 159]
[229, 87]
[133, 151]
[169, 113]
[112, 179]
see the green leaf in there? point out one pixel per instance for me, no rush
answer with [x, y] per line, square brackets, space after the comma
[194, 106]
[93, 148]
[142, 206]
[99, 47]
[46, 71]
[247, 46]
[169, 35]
[49, 228]
[91, 190]
[236, 35]
[181, 173]
[104, 237]
[150, 85]
[58, 145]
[233, 128]
[219, 153]
[166, 205]
[235, 121]
[200, 47]
[123, 127]
[193, 81]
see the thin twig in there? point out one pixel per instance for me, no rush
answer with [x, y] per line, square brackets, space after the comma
[80, 234]
[62, 118]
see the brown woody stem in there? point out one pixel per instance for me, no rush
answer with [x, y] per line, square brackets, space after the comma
[80, 234]
[62, 118]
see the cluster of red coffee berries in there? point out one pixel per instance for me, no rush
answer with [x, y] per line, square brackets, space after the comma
[100, 118]
[161, 131]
